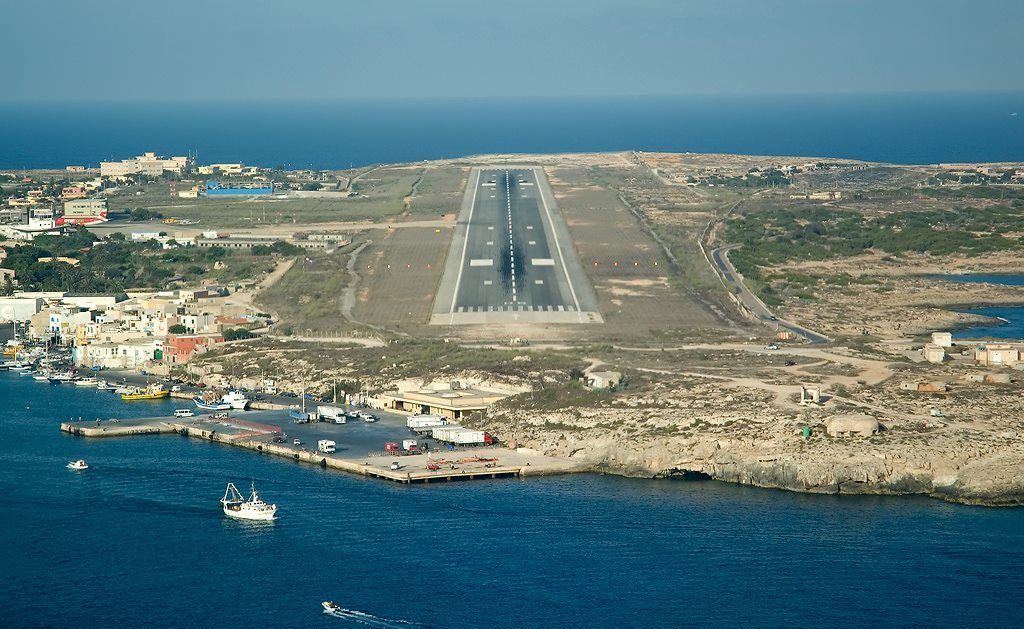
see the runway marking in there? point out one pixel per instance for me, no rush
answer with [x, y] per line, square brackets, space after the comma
[465, 243]
[529, 227]
[511, 244]
[532, 242]
[561, 308]
[558, 247]
[538, 281]
[481, 262]
[491, 227]
[488, 282]
[543, 262]
[462, 309]
[490, 308]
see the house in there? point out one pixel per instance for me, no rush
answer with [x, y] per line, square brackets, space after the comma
[934, 353]
[179, 348]
[996, 355]
[942, 339]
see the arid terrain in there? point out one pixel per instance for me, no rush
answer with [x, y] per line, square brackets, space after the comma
[848, 249]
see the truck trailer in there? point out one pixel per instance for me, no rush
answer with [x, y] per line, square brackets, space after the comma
[461, 436]
[332, 414]
[418, 422]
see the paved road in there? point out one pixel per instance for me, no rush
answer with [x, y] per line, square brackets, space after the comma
[512, 257]
[754, 303]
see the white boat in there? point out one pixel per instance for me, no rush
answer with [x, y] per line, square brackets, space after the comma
[80, 464]
[231, 400]
[103, 385]
[331, 607]
[237, 400]
[235, 506]
[19, 367]
[121, 390]
[41, 376]
[85, 382]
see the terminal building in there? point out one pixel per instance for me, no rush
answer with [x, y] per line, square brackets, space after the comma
[83, 212]
[454, 403]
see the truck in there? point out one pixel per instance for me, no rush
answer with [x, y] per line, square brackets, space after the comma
[332, 414]
[461, 436]
[326, 446]
[298, 417]
[391, 447]
[419, 422]
[410, 445]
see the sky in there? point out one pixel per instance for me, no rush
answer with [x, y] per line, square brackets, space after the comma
[120, 50]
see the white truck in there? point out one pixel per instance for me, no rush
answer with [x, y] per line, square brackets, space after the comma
[332, 414]
[418, 422]
[326, 446]
[410, 445]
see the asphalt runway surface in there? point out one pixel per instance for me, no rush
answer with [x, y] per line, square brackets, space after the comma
[512, 257]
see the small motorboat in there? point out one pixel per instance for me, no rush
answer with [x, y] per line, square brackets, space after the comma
[85, 382]
[80, 464]
[103, 385]
[331, 607]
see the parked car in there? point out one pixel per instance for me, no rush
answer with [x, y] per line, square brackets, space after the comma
[771, 346]
[395, 465]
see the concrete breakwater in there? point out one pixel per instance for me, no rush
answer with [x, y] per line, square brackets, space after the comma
[470, 464]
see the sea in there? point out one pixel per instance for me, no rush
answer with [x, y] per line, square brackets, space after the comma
[139, 540]
[919, 128]
[1011, 318]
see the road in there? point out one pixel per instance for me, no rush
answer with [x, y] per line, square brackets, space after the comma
[512, 257]
[720, 256]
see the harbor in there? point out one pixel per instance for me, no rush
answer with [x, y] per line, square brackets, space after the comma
[360, 446]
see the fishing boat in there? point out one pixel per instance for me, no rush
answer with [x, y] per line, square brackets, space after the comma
[65, 377]
[41, 376]
[19, 366]
[80, 464]
[209, 403]
[235, 506]
[231, 400]
[103, 385]
[85, 382]
[151, 392]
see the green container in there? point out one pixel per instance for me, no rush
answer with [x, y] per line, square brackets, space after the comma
[807, 432]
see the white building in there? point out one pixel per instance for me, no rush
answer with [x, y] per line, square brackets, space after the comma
[131, 354]
[146, 164]
[19, 308]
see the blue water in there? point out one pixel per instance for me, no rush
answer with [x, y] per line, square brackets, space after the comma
[901, 128]
[139, 541]
[1012, 325]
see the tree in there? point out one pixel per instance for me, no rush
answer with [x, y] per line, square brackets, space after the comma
[177, 328]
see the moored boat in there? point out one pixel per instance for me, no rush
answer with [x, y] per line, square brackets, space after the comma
[151, 392]
[85, 382]
[103, 385]
[235, 506]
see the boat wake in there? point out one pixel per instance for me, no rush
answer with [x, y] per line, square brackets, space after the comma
[370, 620]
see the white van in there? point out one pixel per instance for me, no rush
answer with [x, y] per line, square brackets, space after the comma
[184, 412]
[326, 446]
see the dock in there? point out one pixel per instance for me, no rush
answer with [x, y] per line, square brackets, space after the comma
[466, 464]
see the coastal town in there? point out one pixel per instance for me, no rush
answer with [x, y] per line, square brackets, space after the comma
[766, 369]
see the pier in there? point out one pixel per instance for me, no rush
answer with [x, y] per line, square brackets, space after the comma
[462, 465]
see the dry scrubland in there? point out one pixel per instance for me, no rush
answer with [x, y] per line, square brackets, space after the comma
[700, 393]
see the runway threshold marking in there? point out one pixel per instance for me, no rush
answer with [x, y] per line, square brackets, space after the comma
[542, 262]
[481, 262]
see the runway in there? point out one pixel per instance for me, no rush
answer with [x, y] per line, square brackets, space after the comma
[511, 258]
